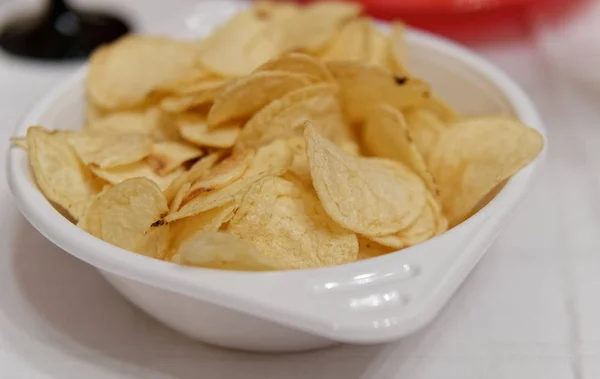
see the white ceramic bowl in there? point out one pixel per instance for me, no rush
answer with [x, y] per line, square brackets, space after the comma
[372, 301]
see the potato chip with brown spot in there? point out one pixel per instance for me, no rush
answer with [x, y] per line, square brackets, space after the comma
[425, 128]
[116, 175]
[122, 74]
[236, 49]
[362, 87]
[283, 118]
[315, 25]
[106, 148]
[361, 194]
[61, 177]
[167, 156]
[386, 135]
[368, 249]
[430, 223]
[196, 171]
[122, 216]
[351, 42]
[247, 95]
[301, 64]
[223, 251]
[193, 128]
[474, 155]
[288, 225]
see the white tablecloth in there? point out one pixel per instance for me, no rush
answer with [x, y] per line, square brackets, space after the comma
[529, 310]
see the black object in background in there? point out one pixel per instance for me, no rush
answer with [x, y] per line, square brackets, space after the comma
[61, 33]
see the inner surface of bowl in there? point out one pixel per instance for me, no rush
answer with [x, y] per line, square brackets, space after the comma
[335, 302]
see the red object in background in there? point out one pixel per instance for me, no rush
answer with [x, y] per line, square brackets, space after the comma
[464, 19]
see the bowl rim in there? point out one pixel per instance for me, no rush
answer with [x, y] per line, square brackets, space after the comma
[213, 285]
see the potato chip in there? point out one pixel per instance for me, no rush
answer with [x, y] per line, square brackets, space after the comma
[351, 42]
[299, 168]
[223, 251]
[425, 129]
[187, 82]
[106, 148]
[441, 109]
[193, 128]
[116, 175]
[275, 9]
[122, 74]
[430, 223]
[210, 221]
[315, 25]
[20, 142]
[122, 216]
[358, 193]
[167, 156]
[398, 48]
[368, 249]
[196, 171]
[363, 87]
[93, 112]
[386, 135]
[232, 49]
[299, 63]
[247, 95]
[474, 155]
[288, 225]
[59, 174]
[123, 122]
[199, 95]
[378, 53]
[178, 199]
[283, 118]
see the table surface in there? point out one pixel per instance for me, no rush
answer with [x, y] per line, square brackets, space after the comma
[529, 309]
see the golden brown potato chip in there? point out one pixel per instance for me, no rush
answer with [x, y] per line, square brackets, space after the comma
[178, 199]
[223, 251]
[299, 63]
[358, 193]
[430, 223]
[201, 94]
[193, 128]
[362, 87]
[122, 216]
[197, 170]
[20, 142]
[236, 49]
[247, 95]
[283, 118]
[474, 155]
[167, 156]
[61, 177]
[116, 175]
[351, 42]
[288, 225]
[316, 24]
[122, 74]
[425, 128]
[386, 135]
[106, 148]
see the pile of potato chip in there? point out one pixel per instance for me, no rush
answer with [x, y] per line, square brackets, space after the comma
[290, 138]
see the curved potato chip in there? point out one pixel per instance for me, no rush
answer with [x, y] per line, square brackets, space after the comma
[123, 122]
[386, 135]
[351, 42]
[122, 74]
[94, 112]
[167, 156]
[106, 148]
[275, 9]
[299, 168]
[315, 25]
[288, 225]
[116, 175]
[122, 216]
[299, 63]
[201, 94]
[235, 49]
[430, 223]
[197, 170]
[61, 177]
[247, 95]
[425, 128]
[223, 251]
[398, 48]
[284, 117]
[361, 194]
[210, 221]
[441, 109]
[194, 129]
[362, 87]
[474, 155]
[378, 49]
[368, 249]
[178, 199]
